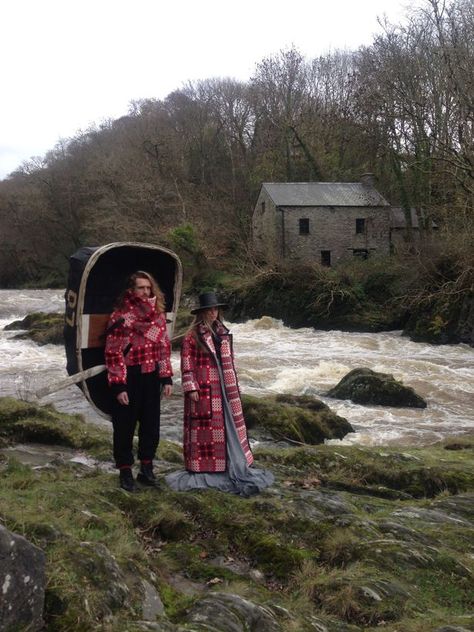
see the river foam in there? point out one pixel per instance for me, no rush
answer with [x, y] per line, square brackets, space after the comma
[272, 358]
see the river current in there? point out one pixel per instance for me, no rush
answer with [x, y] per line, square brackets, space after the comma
[272, 358]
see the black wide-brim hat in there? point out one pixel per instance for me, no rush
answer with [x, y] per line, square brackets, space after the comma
[206, 301]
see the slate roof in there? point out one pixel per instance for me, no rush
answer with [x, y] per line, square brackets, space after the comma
[323, 194]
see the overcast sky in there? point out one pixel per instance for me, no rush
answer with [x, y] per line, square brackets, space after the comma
[66, 65]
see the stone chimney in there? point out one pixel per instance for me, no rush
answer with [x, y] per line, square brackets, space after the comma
[367, 179]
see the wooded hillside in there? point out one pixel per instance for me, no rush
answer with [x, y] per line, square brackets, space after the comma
[187, 169]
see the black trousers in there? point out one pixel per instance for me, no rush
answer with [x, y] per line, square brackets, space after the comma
[144, 408]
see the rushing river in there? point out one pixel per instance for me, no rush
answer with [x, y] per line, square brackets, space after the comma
[272, 358]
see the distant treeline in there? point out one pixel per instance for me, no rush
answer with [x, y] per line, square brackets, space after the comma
[402, 108]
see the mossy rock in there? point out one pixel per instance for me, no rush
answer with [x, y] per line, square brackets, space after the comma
[27, 422]
[232, 613]
[170, 452]
[445, 320]
[42, 328]
[296, 418]
[94, 564]
[364, 386]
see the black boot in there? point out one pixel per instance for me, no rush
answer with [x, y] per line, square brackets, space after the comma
[126, 480]
[146, 476]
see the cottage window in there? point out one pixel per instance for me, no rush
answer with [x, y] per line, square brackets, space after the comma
[263, 207]
[361, 253]
[304, 226]
[360, 226]
[326, 258]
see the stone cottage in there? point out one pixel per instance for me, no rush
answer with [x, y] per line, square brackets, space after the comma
[321, 221]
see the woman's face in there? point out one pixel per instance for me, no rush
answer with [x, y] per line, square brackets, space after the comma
[211, 314]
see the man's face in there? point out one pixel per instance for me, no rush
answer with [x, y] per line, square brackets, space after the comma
[142, 288]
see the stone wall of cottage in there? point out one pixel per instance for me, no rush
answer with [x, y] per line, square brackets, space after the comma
[266, 228]
[333, 231]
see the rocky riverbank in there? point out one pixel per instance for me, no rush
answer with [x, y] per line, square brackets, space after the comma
[348, 538]
[373, 297]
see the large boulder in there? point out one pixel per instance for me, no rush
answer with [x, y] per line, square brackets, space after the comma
[302, 419]
[41, 327]
[22, 583]
[364, 386]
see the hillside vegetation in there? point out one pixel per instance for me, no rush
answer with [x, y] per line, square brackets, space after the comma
[185, 172]
[401, 107]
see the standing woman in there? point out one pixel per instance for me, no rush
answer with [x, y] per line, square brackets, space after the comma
[215, 443]
[137, 356]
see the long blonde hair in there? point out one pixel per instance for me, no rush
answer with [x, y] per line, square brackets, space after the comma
[199, 318]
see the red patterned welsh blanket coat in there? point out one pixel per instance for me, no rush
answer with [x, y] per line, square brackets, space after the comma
[204, 439]
[140, 327]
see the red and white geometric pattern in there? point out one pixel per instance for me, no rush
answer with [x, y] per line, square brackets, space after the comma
[145, 330]
[204, 436]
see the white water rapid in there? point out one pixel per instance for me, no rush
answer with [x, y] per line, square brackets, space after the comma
[272, 358]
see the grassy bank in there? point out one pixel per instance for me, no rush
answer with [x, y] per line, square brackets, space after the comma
[350, 538]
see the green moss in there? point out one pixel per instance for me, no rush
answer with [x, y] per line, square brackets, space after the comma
[43, 328]
[340, 547]
[84, 536]
[450, 592]
[23, 421]
[197, 567]
[272, 554]
[171, 452]
[301, 419]
[417, 473]
[175, 603]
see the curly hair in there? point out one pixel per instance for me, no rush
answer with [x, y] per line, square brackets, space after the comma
[155, 289]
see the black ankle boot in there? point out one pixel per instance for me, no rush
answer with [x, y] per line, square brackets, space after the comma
[126, 480]
[146, 476]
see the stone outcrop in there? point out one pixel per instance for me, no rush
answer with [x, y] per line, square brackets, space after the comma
[364, 386]
[443, 321]
[22, 583]
[40, 327]
[295, 418]
[232, 613]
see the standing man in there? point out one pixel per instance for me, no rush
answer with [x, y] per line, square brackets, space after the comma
[137, 356]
